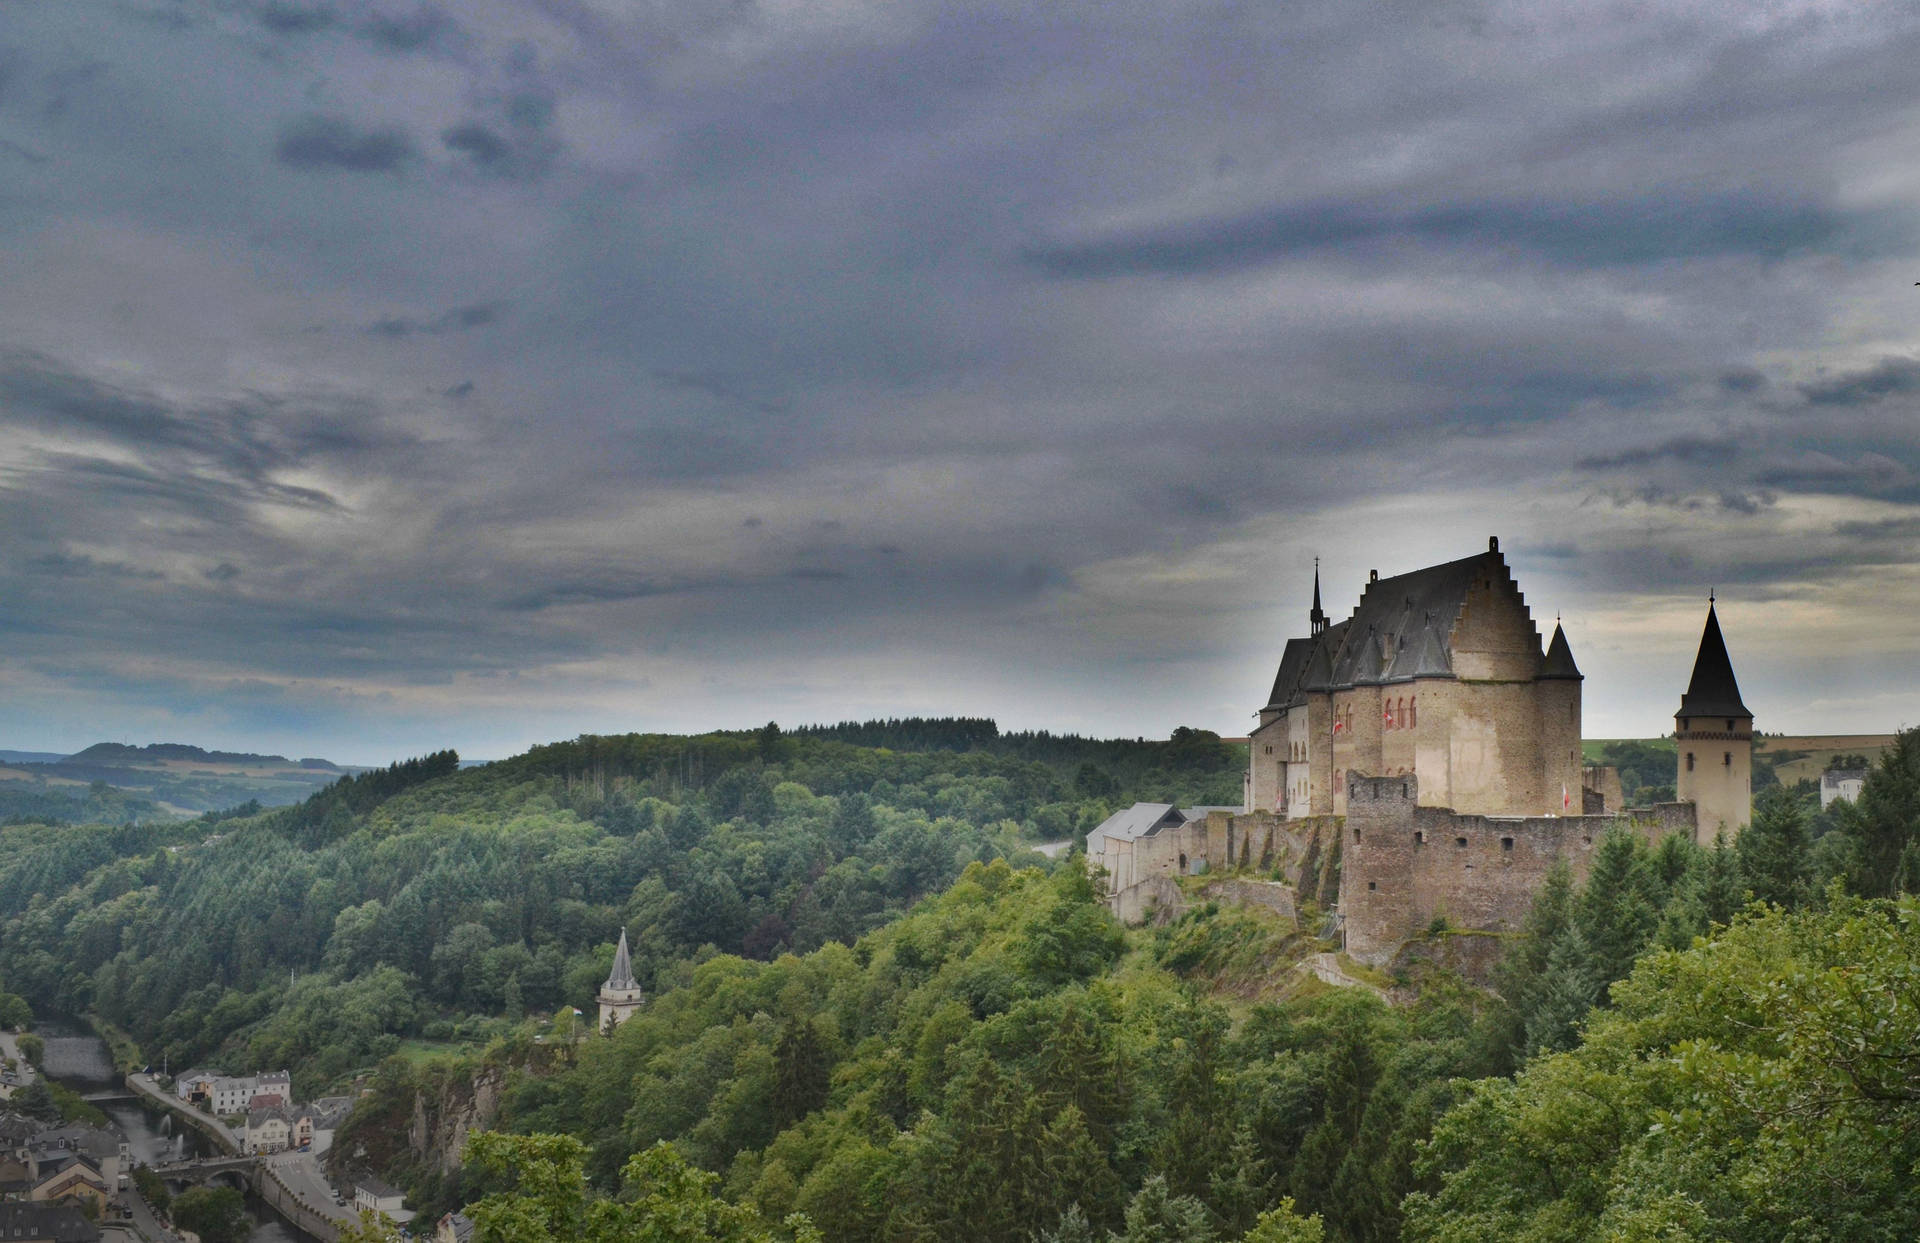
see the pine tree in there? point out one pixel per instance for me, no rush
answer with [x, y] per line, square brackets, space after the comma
[1073, 1228]
[1615, 918]
[1243, 1185]
[1155, 1215]
[1772, 850]
[1568, 988]
[802, 1073]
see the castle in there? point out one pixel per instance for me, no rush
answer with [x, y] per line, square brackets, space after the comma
[1438, 674]
[1429, 746]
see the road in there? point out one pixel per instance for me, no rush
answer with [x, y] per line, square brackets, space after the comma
[12, 1050]
[300, 1172]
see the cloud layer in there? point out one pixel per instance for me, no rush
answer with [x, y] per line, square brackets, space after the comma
[382, 375]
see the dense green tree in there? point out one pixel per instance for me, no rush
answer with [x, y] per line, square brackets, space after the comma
[1762, 1086]
[1877, 847]
[1773, 850]
[216, 1214]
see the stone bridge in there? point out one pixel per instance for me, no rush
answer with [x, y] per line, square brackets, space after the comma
[240, 1173]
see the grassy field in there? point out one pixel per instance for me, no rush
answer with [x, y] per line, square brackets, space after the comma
[1795, 757]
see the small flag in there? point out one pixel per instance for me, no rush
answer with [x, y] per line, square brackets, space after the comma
[578, 1010]
[1566, 800]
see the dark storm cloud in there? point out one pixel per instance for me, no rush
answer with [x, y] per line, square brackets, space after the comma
[1574, 234]
[796, 288]
[1887, 378]
[320, 141]
[246, 438]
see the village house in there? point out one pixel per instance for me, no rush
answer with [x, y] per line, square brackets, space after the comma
[45, 1223]
[375, 1196]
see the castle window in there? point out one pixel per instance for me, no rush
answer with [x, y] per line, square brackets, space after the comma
[1689, 761]
[1683, 725]
[1728, 761]
[1419, 837]
[1506, 843]
[1729, 726]
[1413, 712]
[1356, 835]
[1373, 885]
[1460, 841]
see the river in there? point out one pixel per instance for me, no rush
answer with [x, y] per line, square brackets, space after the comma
[80, 1060]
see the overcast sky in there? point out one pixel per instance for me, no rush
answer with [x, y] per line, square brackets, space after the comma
[378, 376]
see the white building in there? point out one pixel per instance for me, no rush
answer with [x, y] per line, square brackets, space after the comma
[1841, 784]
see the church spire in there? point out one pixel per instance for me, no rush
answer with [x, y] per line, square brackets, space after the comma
[1713, 690]
[1317, 618]
[621, 977]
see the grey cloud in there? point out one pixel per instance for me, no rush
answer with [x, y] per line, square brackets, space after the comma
[521, 151]
[608, 589]
[1742, 380]
[1578, 234]
[457, 319]
[225, 572]
[814, 573]
[69, 565]
[1819, 471]
[458, 392]
[295, 19]
[1886, 378]
[204, 460]
[320, 141]
[414, 31]
[1690, 450]
[725, 388]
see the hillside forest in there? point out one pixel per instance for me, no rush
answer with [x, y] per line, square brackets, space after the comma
[876, 1013]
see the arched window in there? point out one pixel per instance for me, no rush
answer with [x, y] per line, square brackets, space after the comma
[1413, 711]
[1689, 761]
[1402, 715]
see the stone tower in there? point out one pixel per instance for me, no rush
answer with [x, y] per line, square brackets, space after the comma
[620, 996]
[1714, 731]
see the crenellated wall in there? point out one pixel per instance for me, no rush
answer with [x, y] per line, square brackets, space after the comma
[1405, 865]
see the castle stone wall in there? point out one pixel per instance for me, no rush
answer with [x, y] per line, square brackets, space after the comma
[1405, 865]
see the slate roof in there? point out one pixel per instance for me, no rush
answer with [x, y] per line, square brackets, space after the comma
[1399, 631]
[1145, 820]
[60, 1222]
[1293, 666]
[1712, 690]
[621, 977]
[1408, 608]
[1559, 661]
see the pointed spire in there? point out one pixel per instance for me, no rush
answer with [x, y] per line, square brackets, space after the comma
[621, 977]
[1559, 661]
[1713, 690]
[1317, 618]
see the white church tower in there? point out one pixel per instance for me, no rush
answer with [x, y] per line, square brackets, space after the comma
[620, 996]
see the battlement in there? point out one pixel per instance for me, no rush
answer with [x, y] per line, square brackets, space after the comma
[1405, 865]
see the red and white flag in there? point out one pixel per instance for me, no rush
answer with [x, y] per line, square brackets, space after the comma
[1566, 799]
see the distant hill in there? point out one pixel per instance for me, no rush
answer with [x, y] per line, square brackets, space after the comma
[30, 757]
[162, 752]
[159, 779]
